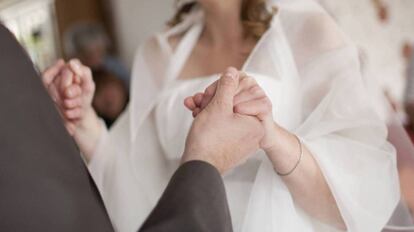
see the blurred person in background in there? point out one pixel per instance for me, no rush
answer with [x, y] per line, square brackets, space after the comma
[90, 44]
[324, 163]
[111, 96]
[408, 54]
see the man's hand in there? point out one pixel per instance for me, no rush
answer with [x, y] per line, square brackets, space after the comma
[218, 135]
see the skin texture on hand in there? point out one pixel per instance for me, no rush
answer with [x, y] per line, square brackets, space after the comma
[71, 87]
[250, 100]
[218, 135]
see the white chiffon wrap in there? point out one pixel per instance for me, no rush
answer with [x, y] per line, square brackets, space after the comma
[311, 73]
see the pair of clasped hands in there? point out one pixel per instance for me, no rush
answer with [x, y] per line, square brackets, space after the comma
[233, 117]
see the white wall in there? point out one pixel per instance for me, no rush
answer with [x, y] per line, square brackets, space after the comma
[136, 20]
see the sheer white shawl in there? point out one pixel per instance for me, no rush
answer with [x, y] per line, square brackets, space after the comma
[323, 101]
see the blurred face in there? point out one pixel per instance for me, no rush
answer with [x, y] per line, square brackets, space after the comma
[93, 56]
[110, 97]
[111, 101]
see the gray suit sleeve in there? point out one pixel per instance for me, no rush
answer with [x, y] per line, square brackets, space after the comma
[195, 200]
[44, 184]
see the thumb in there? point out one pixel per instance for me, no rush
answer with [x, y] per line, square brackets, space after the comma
[226, 89]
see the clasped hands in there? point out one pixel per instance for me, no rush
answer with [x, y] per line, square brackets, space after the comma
[233, 117]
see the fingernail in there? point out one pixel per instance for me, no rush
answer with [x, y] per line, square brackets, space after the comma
[75, 65]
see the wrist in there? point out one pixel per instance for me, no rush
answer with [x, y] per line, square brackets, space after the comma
[271, 140]
[285, 151]
[88, 132]
[89, 120]
[189, 156]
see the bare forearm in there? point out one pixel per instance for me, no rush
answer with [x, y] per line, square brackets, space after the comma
[306, 183]
[88, 133]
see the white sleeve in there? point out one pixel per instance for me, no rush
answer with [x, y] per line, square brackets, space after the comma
[349, 141]
[112, 146]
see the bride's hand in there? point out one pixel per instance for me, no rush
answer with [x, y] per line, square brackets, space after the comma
[250, 100]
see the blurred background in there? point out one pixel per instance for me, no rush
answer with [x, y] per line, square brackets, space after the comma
[104, 34]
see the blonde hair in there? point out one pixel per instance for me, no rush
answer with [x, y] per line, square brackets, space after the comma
[256, 17]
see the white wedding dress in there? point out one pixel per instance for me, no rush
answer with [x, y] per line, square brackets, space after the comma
[310, 71]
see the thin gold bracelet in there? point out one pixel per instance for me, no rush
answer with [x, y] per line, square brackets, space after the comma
[297, 163]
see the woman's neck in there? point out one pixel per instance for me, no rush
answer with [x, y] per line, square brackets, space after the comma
[223, 25]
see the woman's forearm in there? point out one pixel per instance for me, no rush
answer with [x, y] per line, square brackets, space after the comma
[88, 133]
[306, 183]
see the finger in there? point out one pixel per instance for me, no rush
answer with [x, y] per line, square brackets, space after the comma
[246, 82]
[226, 90]
[67, 78]
[261, 108]
[198, 98]
[73, 114]
[73, 91]
[189, 103]
[208, 95]
[83, 75]
[50, 74]
[254, 92]
[76, 66]
[211, 90]
[72, 103]
[196, 112]
[87, 82]
[54, 94]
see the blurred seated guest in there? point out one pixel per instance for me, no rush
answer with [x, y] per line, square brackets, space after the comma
[89, 43]
[111, 96]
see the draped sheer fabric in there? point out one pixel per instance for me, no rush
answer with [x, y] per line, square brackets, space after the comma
[311, 73]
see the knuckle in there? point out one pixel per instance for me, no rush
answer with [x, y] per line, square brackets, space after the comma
[249, 80]
[269, 103]
[81, 113]
[256, 90]
[68, 114]
[227, 81]
[88, 72]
